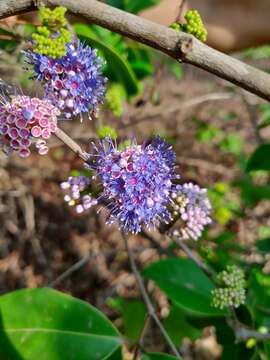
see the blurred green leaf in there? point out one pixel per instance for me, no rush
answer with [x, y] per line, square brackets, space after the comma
[106, 131]
[46, 324]
[118, 66]
[208, 132]
[252, 193]
[263, 245]
[185, 284]
[232, 143]
[8, 41]
[178, 327]
[131, 5]
[133, 313]
[265, 115]
[158, 356]
[260, 159]
[258, 299]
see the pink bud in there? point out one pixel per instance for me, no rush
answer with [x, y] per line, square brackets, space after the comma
[24, 133]
[21, 123]
[43, 150]
[36, 131]
[24, 153]
[46, 133]
[13, 133]
[43, 122]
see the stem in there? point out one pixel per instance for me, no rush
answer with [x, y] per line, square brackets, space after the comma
[146, 298]
[192, 256]
[61, 135]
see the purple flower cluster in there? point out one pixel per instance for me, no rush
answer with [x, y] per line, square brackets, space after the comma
[74, 187]
[137, 183]
[193, 206]
[25, 120]
[74, 82]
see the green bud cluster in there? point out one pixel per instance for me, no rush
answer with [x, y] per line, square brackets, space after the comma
[51, 38]
[194, 25]
[231, 290]
[53, 19]
[107, 131]
[114, 99]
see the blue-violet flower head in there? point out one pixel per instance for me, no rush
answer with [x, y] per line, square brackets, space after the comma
[137, 182]
[73, 83]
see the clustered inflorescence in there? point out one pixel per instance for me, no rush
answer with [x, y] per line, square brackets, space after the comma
[25, 120]
[231, 290]
[194, 25]
[51, 38]
[75, 186]
[192, 207]
[138, 188]
[73, 83]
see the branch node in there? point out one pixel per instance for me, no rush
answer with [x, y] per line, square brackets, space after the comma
[185, 45]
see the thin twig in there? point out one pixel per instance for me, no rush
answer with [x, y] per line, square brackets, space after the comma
[75, 267]
[192, 256]
[156, 244]
[180, 11]
[146, 298]
[155, 112]
[61, 135]
[252, 116]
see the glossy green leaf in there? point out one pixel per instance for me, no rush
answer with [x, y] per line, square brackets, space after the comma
[46, 324]
[260, 159]
[157, 356]
[119, 67]
[185, 284]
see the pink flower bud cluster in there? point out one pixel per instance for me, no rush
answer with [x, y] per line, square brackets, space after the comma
[24, 121]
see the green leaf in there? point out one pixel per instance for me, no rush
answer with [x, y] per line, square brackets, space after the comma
[263, 245]
[133, 313]
[252, 193]
[133, 6]
[178, 326]
[232, 143]
[46, 324]
[157, 356]
[137, 6]
[119, 67]
[258, 299]
[260, 159]
[185, 284]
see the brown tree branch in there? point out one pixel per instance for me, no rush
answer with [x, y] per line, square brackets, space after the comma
[181, 46]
